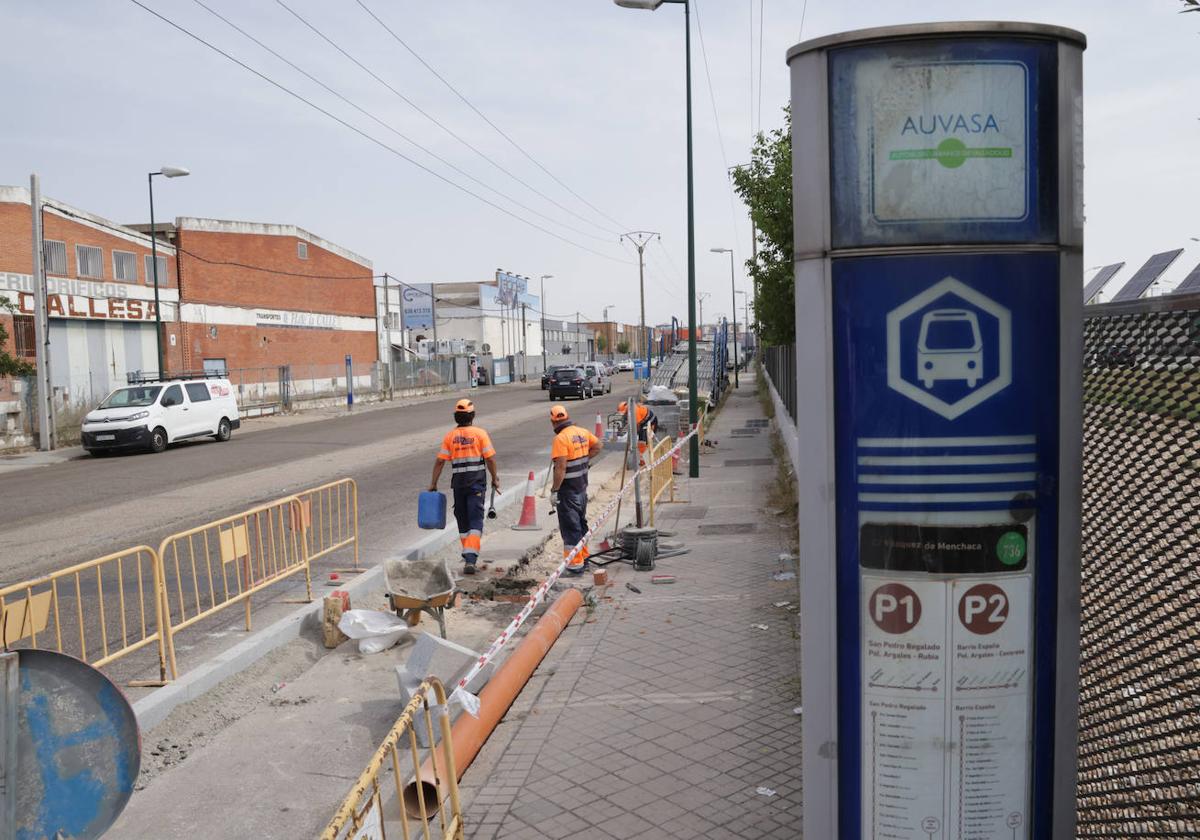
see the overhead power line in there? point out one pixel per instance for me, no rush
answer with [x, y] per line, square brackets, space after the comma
[712, 96]
[486, 119]
[370, 138]
[392, 128]
[431, 117]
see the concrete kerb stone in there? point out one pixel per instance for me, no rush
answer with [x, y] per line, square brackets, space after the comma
[154, 708]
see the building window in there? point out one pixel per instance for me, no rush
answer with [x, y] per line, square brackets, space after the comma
[163, 279]
[216, 366]
[302, 250]
[89, 261]
[55, 254]
[24, 342]
[124, 266]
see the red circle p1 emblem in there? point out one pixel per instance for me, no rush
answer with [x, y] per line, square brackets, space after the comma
[983, 608]
[895, 608]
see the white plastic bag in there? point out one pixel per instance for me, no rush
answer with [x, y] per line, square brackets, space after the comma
[376, 631]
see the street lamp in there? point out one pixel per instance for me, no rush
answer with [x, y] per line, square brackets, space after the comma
[746, 316]
[693, 409]
[733, 296]
[166, 172]
[544, 278]
[700, 298]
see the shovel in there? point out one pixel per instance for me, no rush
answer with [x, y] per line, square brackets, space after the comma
[491, 514]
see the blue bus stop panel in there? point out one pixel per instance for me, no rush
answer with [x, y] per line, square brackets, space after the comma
[946, 408]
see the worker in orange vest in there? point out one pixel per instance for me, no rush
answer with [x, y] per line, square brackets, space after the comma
[472, 457]
[572, 451]
[644, 418]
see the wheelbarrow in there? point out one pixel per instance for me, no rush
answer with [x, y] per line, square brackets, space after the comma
[417, 587]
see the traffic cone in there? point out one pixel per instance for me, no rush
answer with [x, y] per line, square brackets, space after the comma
[599, 427]
[528, 520]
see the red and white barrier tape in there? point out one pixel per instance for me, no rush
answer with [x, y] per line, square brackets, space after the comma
[468, 700]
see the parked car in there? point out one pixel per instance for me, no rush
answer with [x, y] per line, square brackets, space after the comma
[625, 364]
[595, 370]
[152, 415]
[572, 382]
[549, 372]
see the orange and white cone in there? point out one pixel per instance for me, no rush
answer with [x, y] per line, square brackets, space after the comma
[599, 427]
[528, 521]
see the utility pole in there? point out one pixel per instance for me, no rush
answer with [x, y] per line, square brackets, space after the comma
[577, 336]
[640, 239]
[542, 320]
[700, 300]
[41, 327]
[523, 355]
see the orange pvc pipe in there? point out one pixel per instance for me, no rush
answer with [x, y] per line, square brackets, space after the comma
[469, 733]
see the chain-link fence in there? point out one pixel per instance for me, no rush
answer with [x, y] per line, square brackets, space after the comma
[1139, 716]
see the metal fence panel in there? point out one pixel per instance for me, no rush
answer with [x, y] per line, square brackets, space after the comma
[1139, 717]
[780, 363]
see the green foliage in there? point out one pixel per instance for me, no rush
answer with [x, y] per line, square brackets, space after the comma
[765, 185]
[10, 365]
[1190, 6]
[623, 346]
[601, 343]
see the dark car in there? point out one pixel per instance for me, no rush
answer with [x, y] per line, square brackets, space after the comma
[549, 373]
[571, 382]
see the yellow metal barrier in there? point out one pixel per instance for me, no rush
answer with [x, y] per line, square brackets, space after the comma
[330, 518]
[98, 611]
[213, 566]
[662, 477]
[362, 812]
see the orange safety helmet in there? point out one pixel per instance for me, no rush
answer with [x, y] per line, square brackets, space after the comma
[558, 413]
[464, 405]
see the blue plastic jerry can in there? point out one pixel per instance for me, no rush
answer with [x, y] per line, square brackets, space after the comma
[431, 510]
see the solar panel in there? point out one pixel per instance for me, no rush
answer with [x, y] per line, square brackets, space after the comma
[1191, 283]
[1147, 274]
[1100, 281]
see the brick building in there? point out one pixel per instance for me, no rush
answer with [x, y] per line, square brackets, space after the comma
[241, 297]
[257, 296]
[100, 295]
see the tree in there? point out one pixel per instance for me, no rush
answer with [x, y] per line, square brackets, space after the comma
[623, 346]
[765, 185]
[601, 343]
[10, 365]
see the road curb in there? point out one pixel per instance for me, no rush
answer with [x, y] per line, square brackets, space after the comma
[155, 707]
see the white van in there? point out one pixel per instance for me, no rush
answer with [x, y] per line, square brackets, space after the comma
[151, 415]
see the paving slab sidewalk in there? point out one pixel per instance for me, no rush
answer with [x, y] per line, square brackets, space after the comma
[669, 713]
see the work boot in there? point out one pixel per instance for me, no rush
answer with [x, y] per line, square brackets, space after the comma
[468, 567]
[576, 571]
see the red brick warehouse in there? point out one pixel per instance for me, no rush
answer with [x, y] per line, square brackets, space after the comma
[256, 296]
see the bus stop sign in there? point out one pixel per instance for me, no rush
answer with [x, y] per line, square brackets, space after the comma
[938, 229]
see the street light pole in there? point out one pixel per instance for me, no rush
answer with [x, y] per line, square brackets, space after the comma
[733, 289]
[166, 172]
[693, 409]
[701, 298]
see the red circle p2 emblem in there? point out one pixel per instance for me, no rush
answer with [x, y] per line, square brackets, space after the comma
[983, 608]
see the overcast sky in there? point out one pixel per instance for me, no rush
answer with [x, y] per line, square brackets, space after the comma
[98, 92]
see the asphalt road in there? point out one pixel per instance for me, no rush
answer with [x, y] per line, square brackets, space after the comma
[56, 515]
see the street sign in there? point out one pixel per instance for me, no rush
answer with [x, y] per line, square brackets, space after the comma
[938, 311]
[641, 369]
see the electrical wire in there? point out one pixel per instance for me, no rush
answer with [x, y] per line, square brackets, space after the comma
[429, 116]
[717, 120]
[392, 128]
[485, 118]
[370, 138]
[760, 56]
